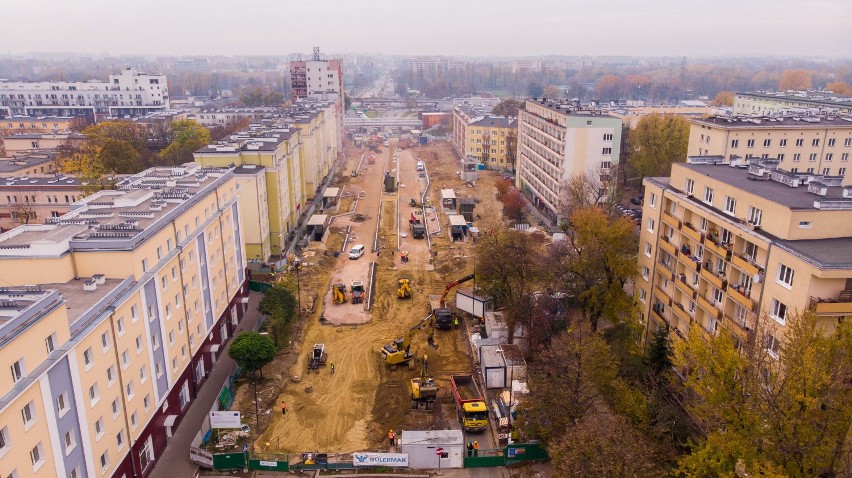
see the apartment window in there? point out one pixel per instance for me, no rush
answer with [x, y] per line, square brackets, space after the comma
[785, 275]
[104, 460]
[767, 143]
[650, 225]
[159, 252]
[28, 414]
[730, 205]
[144, 265]
[145, 455]
[708, 195]
[645, 272]
[847, 142]
[782, 143]
[174, 273]
[781, 157]
[652, 200]
[717, 295]
[133, 314]
[105, 341]
[168, 311]
[62, 403]
[815, 142]
[119, 439]
[158, 369]
[119, 325]
[829, 156]
[131, 390]
[812, 157]
[797, 157]
[155, 341]
[115, 408]
[4, 440]
[810, 170]
[50, 343]
[146, 402]
[94, 395]
[125, 359]
[841, 172]
[75, 473]
[778, 311]
[826, 171]
[110, 373]
[703, 224]
[735, 143]
[174, 363]
[690, 187]
[143, 374]
[18, 370]
[773, 346]
[755, 215]
[727, 237]
[134, 420]
[607, 151]
[138, 344]
[643, 295]
[607, 137]
[69, 441]
[648, 249]
[163, 282]
[800, 142]
[37, 455]
[750, 143]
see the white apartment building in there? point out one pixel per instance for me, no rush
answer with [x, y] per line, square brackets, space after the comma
[557, 141]
[129, 93]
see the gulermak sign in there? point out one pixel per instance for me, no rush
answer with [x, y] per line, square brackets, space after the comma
[380, 459]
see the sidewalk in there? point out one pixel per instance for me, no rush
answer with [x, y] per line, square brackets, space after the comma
[175, 459]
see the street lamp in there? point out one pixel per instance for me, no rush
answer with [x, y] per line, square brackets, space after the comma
[297, 263]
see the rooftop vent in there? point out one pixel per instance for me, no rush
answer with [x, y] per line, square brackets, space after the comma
[90, 285]
[99, 279]
[817, 188]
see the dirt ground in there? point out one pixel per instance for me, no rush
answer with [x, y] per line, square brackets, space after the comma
[353, 409]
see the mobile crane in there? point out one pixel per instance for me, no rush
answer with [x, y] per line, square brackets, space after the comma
[443, 314]
[399, 352]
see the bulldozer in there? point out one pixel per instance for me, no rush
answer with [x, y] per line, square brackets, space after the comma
[358, 292]
[404, 290]
[424, 390]
[399, 352]
[318, 358]
[339, 293]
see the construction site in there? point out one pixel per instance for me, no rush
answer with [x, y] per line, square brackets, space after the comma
[373, 355]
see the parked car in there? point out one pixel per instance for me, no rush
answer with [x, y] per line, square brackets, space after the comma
[637, 200]
[356, 251]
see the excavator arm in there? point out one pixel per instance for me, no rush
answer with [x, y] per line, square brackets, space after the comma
[453, 284]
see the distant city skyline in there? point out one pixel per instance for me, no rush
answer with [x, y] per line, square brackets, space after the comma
[435, 27]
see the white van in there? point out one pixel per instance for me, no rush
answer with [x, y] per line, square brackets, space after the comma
[356, 251]
[421, 166]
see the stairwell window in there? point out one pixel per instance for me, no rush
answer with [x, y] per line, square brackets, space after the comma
[18, 370]
[690, 187]
[755, 215]
[735, 143]
[778, 311]
[607, 151]
[708, 195]
[730, 205]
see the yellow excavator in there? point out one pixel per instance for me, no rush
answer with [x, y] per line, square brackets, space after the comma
[339, 292]
[404, 290]
[399, 352]
[424, 390]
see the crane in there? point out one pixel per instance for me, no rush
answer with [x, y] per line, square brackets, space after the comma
[443, 315]
[400, 350]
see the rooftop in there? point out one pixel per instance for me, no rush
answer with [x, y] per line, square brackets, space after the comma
[25, 160]
[568, 108]
[822, 97]
[254, 138]
[45, 181]
[835, 253]
[497, 122]
[55, 135]
[781, 122]
[118, 219]
[249, 169]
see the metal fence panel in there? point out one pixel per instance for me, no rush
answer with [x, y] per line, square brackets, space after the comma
[229, 461]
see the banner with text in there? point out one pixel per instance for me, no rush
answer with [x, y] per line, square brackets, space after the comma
[380, 459]
[225, 419]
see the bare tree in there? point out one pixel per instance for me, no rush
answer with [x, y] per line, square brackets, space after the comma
[598, 187]
[25, 213]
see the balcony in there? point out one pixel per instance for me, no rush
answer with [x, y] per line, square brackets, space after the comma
[685, 287]
[745, 265]
[742, 327]
[671, 220]
[718, 282]
[682, 314]
[667, 246]
[690, 231]
[840, 307]
[708, 306]
[717, 249]
[663, 271]
[739, 295]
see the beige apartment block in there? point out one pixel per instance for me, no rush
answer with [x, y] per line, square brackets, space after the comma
[491, 139]
[741, 247]
[33, 199]
[762, 103]
[111, 317]
[808, 144]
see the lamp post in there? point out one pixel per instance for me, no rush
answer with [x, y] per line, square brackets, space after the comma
[297, 263]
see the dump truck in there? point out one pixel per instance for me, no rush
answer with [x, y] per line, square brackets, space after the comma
[470, 404]
[358, 292]
[318, 358]
[418, 229]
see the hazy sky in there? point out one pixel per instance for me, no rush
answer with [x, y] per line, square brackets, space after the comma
[445, 27]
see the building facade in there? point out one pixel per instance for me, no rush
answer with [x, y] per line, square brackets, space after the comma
[740, 247]
[129, 93]
[317, 79]
[30, 124]
[814, 145]
[492, 140]
[22, 143]
[28, 164]
[557, 141]
[113, 316]
[36, 199]
[765, 103]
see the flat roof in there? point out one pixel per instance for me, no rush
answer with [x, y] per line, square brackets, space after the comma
[331, 192]
[835, 253]
[10, 165]
[820, 97]
[249, 170]
[318, 220]
[448, 194]
[431, 437]
[45, 182]
[787, 122]
[496, 122]
[457, 220]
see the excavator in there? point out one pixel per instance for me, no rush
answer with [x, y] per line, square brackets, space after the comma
[443, 314]
[339, 293]
[424, 390]
[404, 290]
[399, 352]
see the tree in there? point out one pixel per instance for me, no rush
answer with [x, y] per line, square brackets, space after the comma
[119, 157]
[535, 90]
[552, 91]
[593, 263]
[251, 351]
[24, 212]
[508, 269]
[656, 143]
[84, 163]
[279, 304]
[347, 101]
[839, 88]
[79, 123]
[134, 134]
[608, 88]
[508, 107]
[795, 80]
[724, 98]
[514, 204]
[659, 352]
[602, 444]
[187, 137]
[778, 410]
[594, 188]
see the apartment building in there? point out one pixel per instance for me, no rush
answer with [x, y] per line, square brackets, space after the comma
[422, 64]
[21, 143]
[28, 163]
[492, 140]
[765, 103]
[129, 93]
[38, 124]
[556, 141]
[810, 144]
[31, 200]
[741, 246]
[316, 78]
[112, 317]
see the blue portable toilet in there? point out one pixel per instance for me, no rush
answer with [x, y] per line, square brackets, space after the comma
[480, 166]
[423, 140]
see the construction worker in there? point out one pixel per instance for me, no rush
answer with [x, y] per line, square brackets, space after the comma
[456, 321]
[391, 437]
[332, 367]
[426, 362]
[469, 448]
[475, 448]
[283, 408]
